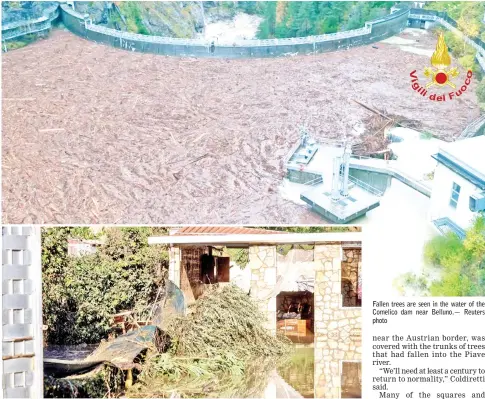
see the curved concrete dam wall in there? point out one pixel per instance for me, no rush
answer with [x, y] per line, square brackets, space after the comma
[18, 29]
[373, 31]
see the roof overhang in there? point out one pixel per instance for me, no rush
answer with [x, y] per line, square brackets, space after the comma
[473, 176]
[258, 239]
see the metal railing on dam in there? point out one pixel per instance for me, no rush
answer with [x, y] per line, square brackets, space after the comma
[371, 32]
[475, 128]
[18, 29]
[389, 168]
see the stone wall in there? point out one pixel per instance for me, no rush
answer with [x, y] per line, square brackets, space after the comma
[262, 262]
[337, 330]
[351, 264]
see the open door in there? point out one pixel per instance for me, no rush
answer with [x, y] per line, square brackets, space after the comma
[223, 265]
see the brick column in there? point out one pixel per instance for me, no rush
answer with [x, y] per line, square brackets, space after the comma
[262, 262]
[337, 330]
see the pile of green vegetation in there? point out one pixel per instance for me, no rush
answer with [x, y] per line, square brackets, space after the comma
[80, 294]
[220, 348]
[224, 320]
[460, 264]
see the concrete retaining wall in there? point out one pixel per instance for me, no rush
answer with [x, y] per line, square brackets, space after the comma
[16, 30]
[372, 31]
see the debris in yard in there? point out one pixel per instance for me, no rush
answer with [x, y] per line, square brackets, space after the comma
[213, 350]
[105, 381]
[225, 320]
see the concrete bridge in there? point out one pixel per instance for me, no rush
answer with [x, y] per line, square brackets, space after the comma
[390, 168]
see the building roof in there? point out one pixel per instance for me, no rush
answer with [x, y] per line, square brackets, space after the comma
[219, 230]
[466, 158]
[258, 239]
[470, 150]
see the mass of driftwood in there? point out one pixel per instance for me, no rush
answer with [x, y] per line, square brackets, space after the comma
[375, 140]
[152, 139]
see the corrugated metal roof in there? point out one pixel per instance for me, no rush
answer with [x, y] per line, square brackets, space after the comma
[220, 230]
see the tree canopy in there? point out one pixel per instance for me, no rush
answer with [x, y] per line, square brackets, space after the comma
[81, 293]
[304, 18]
[460, 265]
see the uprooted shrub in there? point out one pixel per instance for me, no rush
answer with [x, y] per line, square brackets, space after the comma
[220, 348]
[224, 320]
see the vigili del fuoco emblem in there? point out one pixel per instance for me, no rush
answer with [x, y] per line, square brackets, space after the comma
[440, 74]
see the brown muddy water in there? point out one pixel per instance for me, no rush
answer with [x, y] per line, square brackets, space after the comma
[94, 134]
[293, 376]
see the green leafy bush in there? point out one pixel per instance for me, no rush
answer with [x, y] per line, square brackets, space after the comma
[304, 18]
[80, 294]
[480, 90]
[456, 267]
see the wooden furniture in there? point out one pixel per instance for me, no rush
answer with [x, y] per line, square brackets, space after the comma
[294, 327]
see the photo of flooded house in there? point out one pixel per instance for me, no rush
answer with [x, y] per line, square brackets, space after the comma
[304, 291]
[308, 288]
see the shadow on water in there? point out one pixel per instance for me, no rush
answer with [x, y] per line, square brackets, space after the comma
[289, 377]
[69, 352]
[351, 380]
[298, 371]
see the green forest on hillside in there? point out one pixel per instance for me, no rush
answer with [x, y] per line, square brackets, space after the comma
[295, 18]
[470, 19]
[455, 267]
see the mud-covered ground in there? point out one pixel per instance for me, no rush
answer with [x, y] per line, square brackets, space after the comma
[93, 134]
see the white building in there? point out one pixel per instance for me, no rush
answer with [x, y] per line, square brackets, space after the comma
[459, 185]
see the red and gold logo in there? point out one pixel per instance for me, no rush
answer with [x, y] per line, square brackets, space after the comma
[440, 74]
[440, 61]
